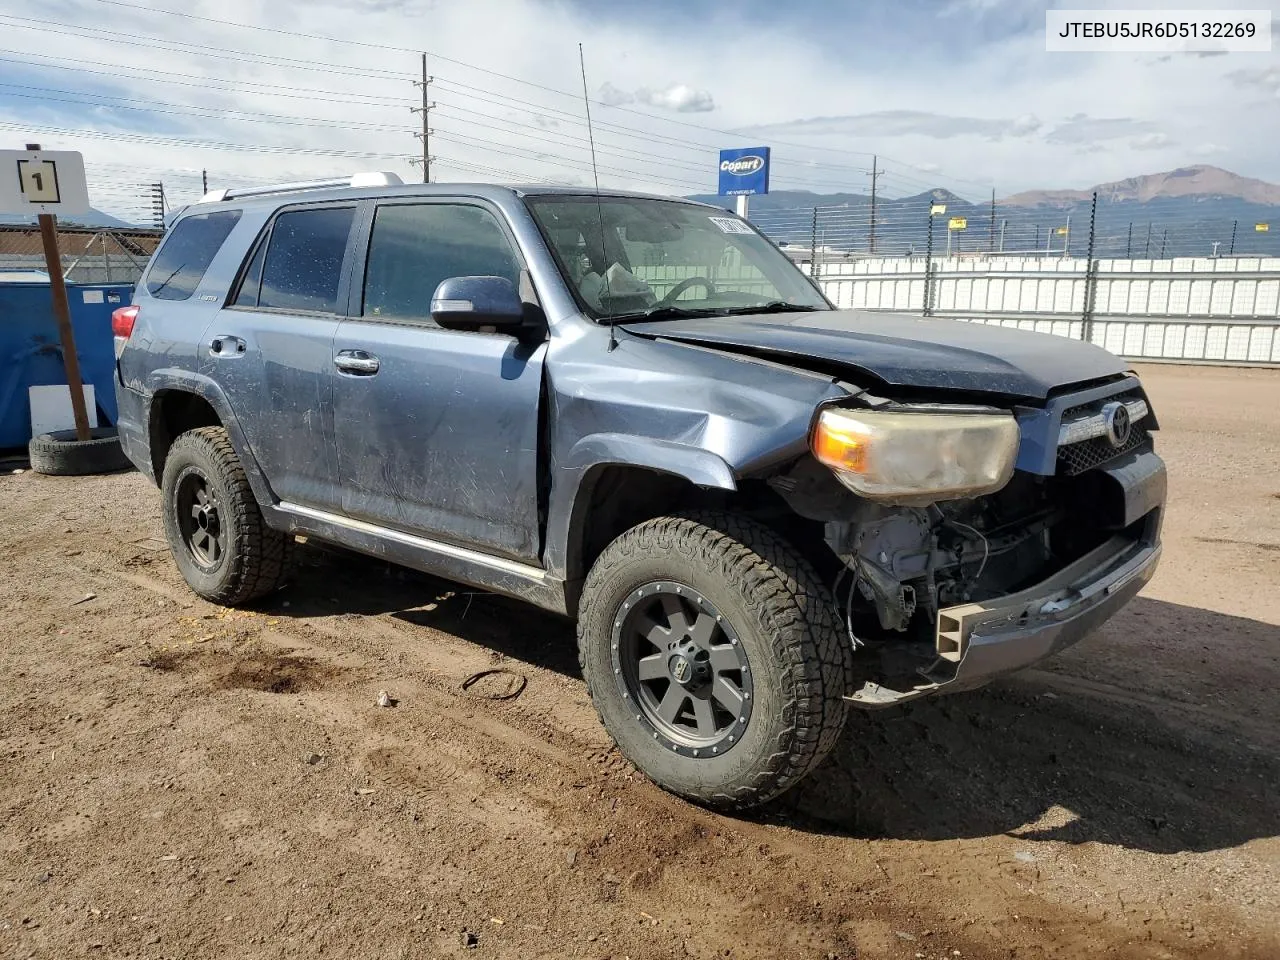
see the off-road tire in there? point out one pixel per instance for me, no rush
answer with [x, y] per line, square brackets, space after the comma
[785, 618]
[257, 560]
[60, 454]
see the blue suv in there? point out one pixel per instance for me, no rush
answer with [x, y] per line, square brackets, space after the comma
[636, 411]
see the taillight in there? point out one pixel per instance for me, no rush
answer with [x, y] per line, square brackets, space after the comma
[122, 321]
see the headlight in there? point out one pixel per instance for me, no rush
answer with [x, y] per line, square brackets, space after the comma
[910, 457]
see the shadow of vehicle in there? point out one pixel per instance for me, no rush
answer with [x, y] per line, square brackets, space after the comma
[1028, 756]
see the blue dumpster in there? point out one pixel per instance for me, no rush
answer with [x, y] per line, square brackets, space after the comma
[31, 352]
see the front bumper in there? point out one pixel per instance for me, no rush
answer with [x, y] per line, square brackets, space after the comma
[977, 642]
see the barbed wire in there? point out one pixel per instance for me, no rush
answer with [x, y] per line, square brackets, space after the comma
[1119, 231]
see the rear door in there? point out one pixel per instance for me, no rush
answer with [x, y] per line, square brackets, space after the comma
[270, 347]
[436, 431]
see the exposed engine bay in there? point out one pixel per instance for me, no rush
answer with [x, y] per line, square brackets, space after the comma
[901, 565]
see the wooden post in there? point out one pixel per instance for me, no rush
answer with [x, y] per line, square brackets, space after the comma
[62, 316]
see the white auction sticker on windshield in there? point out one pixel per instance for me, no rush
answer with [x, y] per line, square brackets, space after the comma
[730, 225]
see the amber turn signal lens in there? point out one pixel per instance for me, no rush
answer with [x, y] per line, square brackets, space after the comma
[839, 447]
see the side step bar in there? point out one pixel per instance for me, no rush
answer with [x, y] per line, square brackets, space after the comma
[497, 574]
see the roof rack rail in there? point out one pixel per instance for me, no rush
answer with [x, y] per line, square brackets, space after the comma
[373, 179]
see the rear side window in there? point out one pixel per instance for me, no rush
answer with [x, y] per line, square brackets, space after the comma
[302, 263]
[182, 259]
[415, 246]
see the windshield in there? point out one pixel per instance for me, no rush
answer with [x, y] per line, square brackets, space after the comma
[630, 258]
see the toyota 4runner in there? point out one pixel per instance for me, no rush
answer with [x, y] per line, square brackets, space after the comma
[761, 510]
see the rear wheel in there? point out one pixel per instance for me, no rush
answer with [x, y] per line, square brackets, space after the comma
[713, 656]
[219, 540]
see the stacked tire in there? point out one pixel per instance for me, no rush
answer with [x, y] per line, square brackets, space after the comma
[60, 454]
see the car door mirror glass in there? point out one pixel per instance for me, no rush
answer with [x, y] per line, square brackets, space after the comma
[468, 303]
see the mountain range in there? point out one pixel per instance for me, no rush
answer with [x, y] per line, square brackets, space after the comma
[1191, 211]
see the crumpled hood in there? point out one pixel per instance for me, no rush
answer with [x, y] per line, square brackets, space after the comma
[903, 350]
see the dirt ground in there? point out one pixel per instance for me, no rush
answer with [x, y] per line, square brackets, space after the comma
[179, 780]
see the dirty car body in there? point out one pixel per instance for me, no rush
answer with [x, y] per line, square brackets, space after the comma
[510, 454]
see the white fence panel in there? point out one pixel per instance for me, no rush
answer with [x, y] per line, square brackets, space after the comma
[1196, 309]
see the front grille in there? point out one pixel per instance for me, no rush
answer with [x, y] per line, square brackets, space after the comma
[1076, 458]
[1084, 455]
[1088, 409]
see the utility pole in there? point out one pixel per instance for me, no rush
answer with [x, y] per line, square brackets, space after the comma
[871, 232]
[157, 205]
[425, 110]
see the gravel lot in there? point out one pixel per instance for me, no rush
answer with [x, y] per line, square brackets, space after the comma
[179, 780]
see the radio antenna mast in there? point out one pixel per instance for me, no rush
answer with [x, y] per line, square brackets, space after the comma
[595, 173]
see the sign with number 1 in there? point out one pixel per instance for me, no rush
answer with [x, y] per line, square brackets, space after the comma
[43, 181]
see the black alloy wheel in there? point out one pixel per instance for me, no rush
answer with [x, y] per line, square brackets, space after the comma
[679, 661]
[200, 519]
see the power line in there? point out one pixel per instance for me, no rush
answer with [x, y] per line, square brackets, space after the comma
[155, 106]
[217, 53]
[549, 89]
[203, 144]
[203, 81]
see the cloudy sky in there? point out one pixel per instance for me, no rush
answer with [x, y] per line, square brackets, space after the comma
[953, 93]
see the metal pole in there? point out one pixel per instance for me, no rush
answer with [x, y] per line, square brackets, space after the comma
[949, 232]
[992, 242]
[1232, 251]
[1146, 251]
[204, 181]
[1004, 222]
[742, 205]
[928, 270]
[62, 316]
[426, 130]
[1066, 242]
[1163, 241]
[871, 230]
[813, 247]
[1128, 246]
[1090, 274]
[1036, 245]
[106, 257]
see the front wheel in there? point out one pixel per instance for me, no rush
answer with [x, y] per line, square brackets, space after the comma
[713, 655]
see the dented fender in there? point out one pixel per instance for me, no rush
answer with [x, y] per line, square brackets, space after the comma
[705, 416]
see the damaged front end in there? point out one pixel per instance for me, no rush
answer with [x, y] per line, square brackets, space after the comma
[942, 593]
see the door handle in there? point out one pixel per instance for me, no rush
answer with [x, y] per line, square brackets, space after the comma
[356, 362]
[227, 346]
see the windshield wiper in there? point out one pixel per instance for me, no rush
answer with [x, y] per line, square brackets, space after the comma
[775, 306]
[669, 312]
[673, 312]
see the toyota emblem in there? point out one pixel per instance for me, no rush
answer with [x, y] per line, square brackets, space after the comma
[1115, 417]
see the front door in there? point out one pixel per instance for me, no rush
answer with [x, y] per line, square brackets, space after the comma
[436, 431]
[270, 349]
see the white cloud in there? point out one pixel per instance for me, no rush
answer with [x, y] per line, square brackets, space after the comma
[678, 97]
